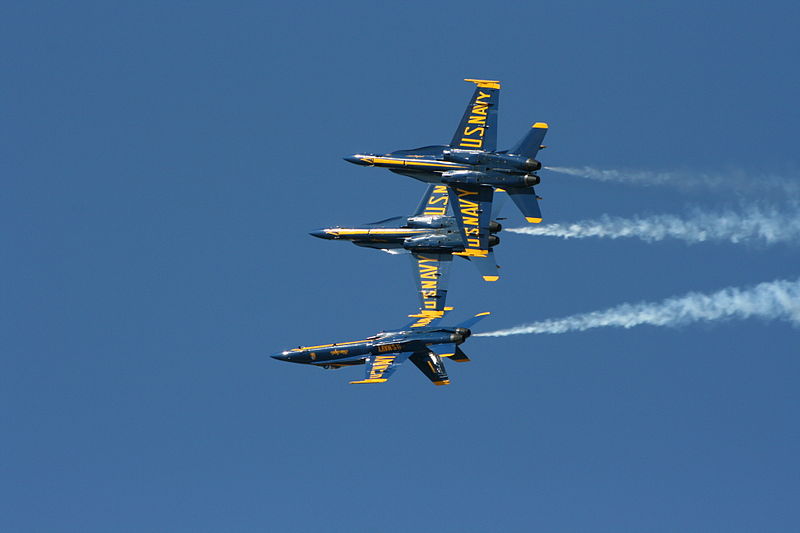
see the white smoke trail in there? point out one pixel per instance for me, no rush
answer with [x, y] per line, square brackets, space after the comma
[753, 224]
[773, 300]
[734, 181]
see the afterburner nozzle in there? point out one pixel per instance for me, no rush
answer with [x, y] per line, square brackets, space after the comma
[462, 334]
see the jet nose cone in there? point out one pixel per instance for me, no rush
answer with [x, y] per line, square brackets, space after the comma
[320, 234]
[355, 159]
[280, 356]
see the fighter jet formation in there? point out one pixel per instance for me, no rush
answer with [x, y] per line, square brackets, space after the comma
[455, 217]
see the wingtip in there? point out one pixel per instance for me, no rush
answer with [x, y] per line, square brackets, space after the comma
[484, 313]
[443, 382]
[367, 381]
[486, 84]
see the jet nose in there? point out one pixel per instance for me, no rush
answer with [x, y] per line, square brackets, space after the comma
[281, 356]
[320, 234]
[356, 159]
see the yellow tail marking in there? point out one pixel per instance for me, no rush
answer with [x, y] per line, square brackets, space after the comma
[541, 125]
[368, 381]
[491, 278]
[533, 220]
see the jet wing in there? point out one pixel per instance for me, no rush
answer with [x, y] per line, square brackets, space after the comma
[431, 272]
[379, 367]
[472, 207]
[478, 127]
[432, 366]
[433, 202]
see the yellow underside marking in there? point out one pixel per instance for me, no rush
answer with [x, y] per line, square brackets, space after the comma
[540, 125]
[368, 381]
[445, 382]
[491, 278]
[484, 313]
[487, 84]
[446, 354]
[533, 220]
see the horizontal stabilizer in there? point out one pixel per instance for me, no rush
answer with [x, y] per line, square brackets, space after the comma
[531, 143]
[443, 350]
[460, 357]
[487, 266]
[527, 202]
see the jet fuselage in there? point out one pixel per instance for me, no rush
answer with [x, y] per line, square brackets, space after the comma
[417, 233]
[356, 352]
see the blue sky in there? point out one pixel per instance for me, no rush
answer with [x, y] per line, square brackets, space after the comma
[163, 163]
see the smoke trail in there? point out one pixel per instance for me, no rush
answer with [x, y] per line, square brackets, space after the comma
[734, 181]
[773, 300]
[636, 177]
[766, 226]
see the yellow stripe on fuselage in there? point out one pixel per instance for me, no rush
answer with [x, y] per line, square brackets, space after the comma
[393, 162]
[342, 232]
[327, 345]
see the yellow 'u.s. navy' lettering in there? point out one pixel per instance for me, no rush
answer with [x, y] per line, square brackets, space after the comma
[470, 218]
[472, 136]
[428, 271]
[437, 202]
[381, 364]
[426, 316]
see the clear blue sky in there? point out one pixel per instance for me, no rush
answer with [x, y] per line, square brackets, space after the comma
[162, 163]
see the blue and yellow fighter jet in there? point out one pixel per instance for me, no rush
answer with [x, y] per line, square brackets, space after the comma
[472, 168]
[432, 239]
[422, 342]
